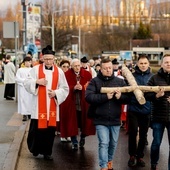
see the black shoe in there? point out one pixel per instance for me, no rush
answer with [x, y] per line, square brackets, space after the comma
[140, 162]
[75, 146]
[154, 167]
[132, 161]
[9, 98]
[24, 118]
[48, 157]
[29, 116]
[82, 142]
[35, 154]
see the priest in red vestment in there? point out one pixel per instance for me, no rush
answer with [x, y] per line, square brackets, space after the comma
[74, 108]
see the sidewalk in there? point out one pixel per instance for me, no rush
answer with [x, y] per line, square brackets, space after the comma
[12, 131]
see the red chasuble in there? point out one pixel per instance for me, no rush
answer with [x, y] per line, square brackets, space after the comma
[42, 101]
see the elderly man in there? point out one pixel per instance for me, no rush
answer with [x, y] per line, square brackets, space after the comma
[49, 87]
[76, 107]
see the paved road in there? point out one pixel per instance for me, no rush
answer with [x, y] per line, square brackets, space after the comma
[13, 131]
[87, 159]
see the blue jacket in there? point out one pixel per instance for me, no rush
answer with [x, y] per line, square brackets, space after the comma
[142, 79]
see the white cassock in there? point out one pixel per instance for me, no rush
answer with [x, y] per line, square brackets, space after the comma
[24, 98]
[92, 71]
[116, 73]
[94, 74]
[61, 91]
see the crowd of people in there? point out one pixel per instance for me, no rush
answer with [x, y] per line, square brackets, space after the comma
[66, 99]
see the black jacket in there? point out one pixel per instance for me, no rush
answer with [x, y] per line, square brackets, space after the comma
[105, 111]
[160, 106]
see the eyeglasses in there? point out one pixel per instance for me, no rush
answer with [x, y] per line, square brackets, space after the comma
[65, 66]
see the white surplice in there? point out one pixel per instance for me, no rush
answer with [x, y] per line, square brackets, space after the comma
[24, 98]
[61, 91]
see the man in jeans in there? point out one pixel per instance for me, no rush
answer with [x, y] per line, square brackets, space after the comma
[160, 116]
[106, 110]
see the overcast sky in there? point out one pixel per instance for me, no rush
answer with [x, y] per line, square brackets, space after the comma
[5, 3]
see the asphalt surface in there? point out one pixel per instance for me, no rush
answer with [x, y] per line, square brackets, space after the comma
[12, 131]
[16, 156]
[87, 159]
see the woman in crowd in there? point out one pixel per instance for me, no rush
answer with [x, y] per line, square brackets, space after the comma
[64, 65]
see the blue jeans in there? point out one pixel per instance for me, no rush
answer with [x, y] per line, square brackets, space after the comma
[108, 138]
[158, 131]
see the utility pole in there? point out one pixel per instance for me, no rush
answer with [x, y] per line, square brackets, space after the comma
[52, 27]
[24, 13]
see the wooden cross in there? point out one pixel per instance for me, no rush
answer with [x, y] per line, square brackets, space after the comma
[137, 90]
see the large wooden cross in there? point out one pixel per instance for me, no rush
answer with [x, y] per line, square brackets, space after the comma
[137, 90]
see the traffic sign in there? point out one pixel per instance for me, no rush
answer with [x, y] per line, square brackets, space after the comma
[32, 47]
[10, 30]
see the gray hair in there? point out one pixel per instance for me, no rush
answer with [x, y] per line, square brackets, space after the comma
[91, 60]
[74, 60]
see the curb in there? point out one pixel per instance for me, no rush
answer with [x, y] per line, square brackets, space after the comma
[14, 150]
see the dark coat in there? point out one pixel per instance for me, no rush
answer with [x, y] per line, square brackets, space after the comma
[142, 79]
[105, 111]
[160, 106]
[69, 127]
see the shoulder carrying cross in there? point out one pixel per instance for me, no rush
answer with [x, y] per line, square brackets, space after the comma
[137, 90]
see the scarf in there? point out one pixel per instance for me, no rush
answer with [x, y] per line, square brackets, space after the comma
[42, 101]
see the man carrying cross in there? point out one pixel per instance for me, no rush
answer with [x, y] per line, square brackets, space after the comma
[138, 116]
[159, 94]
[106, 111]
[160, 116]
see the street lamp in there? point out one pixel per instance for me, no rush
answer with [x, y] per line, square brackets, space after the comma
[79, 40]
[130, 44]
[85, 40]
[52, 29]
[75, 36]
[158, 40]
